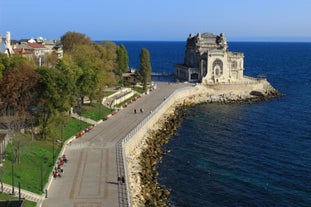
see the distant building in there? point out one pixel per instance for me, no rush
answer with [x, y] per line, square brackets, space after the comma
[5, 44]
[37, 49]
[207, 60]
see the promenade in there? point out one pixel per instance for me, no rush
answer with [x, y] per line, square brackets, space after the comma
[90, 176]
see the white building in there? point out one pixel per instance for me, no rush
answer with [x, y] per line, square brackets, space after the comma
[207, 60]
[5, 44]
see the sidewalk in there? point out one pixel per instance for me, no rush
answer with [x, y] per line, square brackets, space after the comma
[24, 193]
[90, 176]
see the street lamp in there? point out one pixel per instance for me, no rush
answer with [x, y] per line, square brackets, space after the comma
[53, 152]
[13, 193]
[44, 161]
[62, 133]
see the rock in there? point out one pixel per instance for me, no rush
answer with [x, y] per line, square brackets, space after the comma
[257, 93]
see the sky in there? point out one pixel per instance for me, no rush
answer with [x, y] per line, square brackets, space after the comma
[158, 20]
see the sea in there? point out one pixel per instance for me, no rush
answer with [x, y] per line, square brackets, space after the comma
[241, 154]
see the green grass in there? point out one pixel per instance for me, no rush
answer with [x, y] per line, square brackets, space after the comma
[95, 111]
[6, 197]
[73, 127]
[36, 155]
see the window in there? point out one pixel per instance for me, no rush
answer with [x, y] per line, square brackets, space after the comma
[234, 65]
[218, 67]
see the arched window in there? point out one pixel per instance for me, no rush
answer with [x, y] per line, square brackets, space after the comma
[218, 68]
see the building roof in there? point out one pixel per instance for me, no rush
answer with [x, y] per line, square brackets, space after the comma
[36, 45]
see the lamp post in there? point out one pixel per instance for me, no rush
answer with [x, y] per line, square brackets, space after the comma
[13, 193]
[62, 132]
[79, 110]
[53, 152]
[44, 161]
[41, 180]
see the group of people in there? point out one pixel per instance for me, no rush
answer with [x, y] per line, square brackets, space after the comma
[121, 180]
[141, 110]
[58, 170]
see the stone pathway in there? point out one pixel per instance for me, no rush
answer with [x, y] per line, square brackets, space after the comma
[90, 176]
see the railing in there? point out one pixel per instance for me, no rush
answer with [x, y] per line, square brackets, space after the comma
[122, 170]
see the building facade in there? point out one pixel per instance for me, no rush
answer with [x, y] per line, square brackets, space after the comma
[207, 60]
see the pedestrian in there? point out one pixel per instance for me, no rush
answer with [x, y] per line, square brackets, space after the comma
[122, 179]
[141, 110]
[134, 111]
[119, 179]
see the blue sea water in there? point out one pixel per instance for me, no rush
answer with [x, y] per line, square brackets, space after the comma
[246, 154]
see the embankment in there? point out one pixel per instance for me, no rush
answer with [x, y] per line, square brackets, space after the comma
[142, 147]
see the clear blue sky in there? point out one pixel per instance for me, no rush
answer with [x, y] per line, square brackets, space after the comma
[240, 20]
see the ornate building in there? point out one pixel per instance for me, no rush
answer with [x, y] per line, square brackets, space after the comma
[207, 60]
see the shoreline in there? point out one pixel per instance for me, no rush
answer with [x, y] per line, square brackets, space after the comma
[143, 159]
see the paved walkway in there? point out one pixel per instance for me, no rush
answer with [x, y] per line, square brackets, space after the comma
[90, 176]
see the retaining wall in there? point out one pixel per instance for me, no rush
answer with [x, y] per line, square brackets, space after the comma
[136, 136]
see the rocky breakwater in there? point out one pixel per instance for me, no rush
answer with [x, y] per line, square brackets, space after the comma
[145, 189]
[244, 92]
[142, 162]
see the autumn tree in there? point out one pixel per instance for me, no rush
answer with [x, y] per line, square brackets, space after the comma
[18, 94]
[18, 88]
[109, 55]
[72, 39]
[145, 67]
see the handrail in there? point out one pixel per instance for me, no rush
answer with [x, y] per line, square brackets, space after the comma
[133, 132]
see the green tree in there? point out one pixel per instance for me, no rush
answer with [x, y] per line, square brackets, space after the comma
[122, 60]
[87, 58]
[56, 92]
[145, 67]
[4, 62]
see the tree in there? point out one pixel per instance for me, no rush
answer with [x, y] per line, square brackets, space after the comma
[71, 39]
[19, 89]
[108, 52]
[50, 60]
[122, 60]
[56, 92]
[145, 66]
[4, 62]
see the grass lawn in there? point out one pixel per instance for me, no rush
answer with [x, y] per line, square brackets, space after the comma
[95, 111]
[6, 197]
[36, 158]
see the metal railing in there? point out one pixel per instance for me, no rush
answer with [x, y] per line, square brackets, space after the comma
[122, 170]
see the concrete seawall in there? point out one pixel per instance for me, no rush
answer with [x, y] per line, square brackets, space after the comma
[134, 141]
[131, 142]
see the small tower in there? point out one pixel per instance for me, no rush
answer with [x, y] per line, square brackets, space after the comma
[8, 40]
